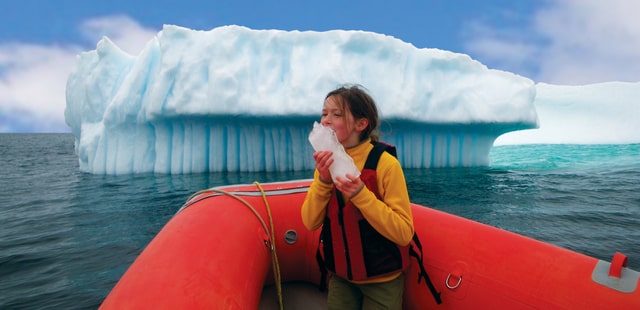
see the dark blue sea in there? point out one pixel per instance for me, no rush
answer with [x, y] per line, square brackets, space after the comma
[66, 237]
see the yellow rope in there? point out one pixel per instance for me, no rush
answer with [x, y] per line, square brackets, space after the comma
[274, 255]
[270, 233]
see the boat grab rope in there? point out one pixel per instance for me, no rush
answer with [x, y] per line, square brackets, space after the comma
[270, 233]
[274, 255]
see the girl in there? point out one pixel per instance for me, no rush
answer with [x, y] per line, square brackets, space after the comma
[366, 221]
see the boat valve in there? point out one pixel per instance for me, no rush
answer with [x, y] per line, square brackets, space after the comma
[290, 236]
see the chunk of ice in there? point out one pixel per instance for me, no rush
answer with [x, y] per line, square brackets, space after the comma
[323, 138]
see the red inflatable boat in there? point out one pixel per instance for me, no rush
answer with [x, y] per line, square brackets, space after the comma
[245, 247]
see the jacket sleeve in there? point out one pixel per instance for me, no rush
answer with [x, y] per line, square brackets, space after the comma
[315, 203]
[391, 216]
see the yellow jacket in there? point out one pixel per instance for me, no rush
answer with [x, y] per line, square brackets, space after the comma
[391, 216]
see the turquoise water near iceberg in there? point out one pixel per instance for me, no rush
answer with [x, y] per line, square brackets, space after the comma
[66, 237]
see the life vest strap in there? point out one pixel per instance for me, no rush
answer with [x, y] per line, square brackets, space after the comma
[323, 271]
[423, 273]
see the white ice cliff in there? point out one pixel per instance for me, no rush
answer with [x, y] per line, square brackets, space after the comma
[236, 99]
[603, 113]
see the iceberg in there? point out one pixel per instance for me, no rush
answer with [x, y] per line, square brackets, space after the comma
[239, 99]
[602, 113]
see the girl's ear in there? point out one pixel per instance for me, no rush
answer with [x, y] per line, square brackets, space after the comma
[361, 124]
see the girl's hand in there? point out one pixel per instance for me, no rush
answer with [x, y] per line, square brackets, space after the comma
[324, 160]
[349, 186]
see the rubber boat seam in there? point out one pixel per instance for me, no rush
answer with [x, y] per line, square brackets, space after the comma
[276, 192]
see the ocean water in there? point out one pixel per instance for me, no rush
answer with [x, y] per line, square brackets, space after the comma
[66, 237]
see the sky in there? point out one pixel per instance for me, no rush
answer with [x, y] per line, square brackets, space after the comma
[565, 42]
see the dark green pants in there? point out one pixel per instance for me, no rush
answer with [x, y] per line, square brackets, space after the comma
[346, 295]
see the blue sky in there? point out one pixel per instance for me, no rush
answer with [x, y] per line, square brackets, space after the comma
[554, 41]
[436, 23]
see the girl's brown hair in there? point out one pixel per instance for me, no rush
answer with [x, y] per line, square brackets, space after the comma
[361, 105]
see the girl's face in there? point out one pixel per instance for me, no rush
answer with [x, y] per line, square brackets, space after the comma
[338, 117]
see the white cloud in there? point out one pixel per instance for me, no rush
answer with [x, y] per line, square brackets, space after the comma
[565, 42]
[33, 77]
[33, 82]
[505, 47]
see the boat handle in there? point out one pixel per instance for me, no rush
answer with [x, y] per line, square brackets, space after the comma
[615, 269]
[452, 287]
